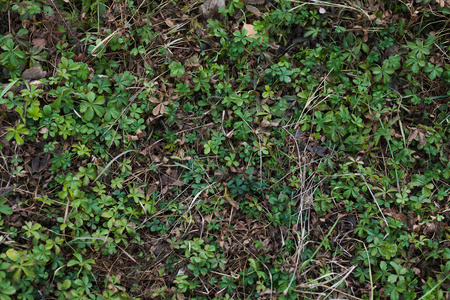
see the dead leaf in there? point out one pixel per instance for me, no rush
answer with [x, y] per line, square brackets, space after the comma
[256, 2]
[159, 109]
[169, 22]
[422, 139]
[250, 30]
[39, 42]
[177, 183]
[43, 130]
[193, 61]
[265, 123]
[240, 226]
[232, 202]
[37, 83]
[34, 73]
[430, 228]
[413, 135]
[140, 133]
[253, 10]
[210, 8]
[273, 45]
[153, 100]
[165, 190]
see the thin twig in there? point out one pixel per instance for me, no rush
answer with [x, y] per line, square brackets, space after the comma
[64, 24]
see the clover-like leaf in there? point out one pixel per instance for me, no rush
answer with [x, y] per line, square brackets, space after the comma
[92, 106]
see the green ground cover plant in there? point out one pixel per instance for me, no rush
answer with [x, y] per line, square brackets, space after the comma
[279, 150]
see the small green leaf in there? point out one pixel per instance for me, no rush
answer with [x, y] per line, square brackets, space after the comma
[6, 210]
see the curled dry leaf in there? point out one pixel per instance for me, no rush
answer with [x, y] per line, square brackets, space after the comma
[140, 133]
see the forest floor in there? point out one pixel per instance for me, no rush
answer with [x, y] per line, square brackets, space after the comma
[247, 149]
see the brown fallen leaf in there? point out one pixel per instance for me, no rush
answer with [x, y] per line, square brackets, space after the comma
[413, 135]
[265, 123]
[160, 107]
[43, 130]
[169, 23]
[210, 8]
[253, 10]
[256, 2]
[39, 42]
[251, 32]
[430, 228]
[422, 139]
[140, 133]
[231, 201]
[34, 73]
